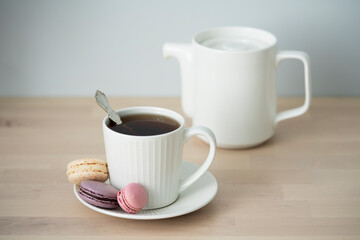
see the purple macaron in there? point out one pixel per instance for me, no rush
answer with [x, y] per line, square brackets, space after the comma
[99, 194]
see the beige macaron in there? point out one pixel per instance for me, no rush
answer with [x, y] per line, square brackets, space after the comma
[87, 169]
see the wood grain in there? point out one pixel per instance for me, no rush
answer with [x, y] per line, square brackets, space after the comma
[304, 183]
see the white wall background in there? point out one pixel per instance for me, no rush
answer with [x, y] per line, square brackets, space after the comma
[72, 47]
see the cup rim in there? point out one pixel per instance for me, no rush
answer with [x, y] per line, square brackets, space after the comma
[273, 39]
[151, 110]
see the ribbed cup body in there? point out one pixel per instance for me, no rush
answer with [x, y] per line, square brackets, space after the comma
[152, 161]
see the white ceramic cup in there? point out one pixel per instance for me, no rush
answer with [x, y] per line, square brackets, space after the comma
[153, 161]
[233, 91]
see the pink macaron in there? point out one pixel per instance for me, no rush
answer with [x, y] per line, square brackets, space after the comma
[132, 198]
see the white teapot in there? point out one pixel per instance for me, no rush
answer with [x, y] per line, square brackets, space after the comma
[229, 83]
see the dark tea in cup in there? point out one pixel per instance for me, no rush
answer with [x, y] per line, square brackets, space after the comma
[144, 125]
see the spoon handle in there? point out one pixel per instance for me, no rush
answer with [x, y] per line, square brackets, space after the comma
[104, 104]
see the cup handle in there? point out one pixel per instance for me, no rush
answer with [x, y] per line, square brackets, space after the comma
[206, 132]
[304, 58]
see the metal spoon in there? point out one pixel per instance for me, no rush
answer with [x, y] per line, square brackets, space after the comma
[104, 104]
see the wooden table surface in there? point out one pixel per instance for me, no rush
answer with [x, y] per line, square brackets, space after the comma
[304, 183]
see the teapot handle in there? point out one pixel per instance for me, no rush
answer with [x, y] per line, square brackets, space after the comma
[304, 58]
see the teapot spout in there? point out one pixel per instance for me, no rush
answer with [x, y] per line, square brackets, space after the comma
[183, 53]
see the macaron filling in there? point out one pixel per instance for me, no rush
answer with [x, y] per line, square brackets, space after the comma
[94, 196]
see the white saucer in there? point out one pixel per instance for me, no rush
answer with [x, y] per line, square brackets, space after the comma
[193, 198]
